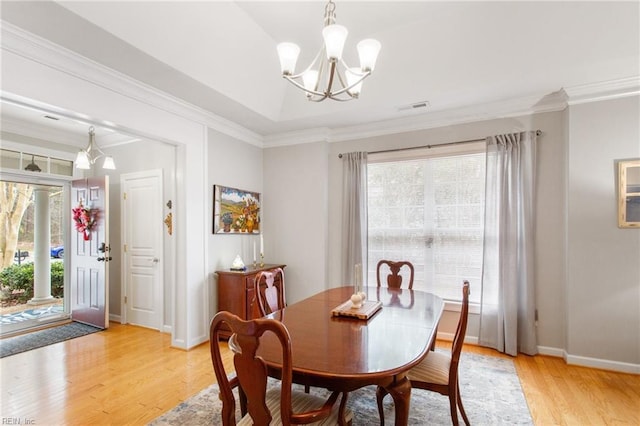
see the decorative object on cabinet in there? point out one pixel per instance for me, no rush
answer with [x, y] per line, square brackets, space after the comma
[629, 193]
[238, 264]
[236, 291]
[235, 211]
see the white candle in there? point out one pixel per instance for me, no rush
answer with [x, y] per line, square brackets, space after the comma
[254, 252]
[261, 245]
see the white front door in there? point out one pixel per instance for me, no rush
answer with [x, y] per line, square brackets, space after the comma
[90, 251]
[143, 227]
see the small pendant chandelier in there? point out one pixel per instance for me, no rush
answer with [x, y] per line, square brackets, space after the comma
[329, 76]
[88, 156]
[32, 166]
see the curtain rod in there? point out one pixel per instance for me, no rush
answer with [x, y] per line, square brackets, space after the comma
[538, 133]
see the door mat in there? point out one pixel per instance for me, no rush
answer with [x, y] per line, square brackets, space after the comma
[38, 339]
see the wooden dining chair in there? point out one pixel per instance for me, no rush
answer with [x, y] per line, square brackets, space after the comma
[264, 404]
[438, 372]
[269, 291]
[394, 279]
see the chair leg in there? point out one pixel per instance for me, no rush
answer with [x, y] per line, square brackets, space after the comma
[453, 406]
[459, 399]
[380, 394]
[343, 406]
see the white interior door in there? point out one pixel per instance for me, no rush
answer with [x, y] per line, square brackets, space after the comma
[142, 219]
[89, 254]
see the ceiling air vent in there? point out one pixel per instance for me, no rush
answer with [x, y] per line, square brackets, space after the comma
[414, 106]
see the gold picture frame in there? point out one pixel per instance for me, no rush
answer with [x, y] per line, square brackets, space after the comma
[629, 193]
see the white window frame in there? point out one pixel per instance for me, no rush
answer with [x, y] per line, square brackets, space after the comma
[426, 153]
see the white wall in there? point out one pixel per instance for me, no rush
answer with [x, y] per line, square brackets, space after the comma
[295, 216]
[603, 264]
[239, 165]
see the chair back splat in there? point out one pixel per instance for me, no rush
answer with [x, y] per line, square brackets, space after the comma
[394, 279]
[270, 291]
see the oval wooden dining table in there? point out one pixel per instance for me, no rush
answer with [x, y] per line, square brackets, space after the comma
[344, 354]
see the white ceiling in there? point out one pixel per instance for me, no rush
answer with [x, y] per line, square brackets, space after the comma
[220, 55]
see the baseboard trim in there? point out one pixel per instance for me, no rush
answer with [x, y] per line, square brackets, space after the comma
[115, 318]
[603, 364]
[549, 351]
[581, 361]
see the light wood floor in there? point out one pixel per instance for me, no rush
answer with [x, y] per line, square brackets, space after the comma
[130, 375]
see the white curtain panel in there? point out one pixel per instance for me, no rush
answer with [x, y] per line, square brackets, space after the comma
[354, 215]
[507, 319]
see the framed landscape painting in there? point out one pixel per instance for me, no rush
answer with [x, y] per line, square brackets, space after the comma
[235, 211]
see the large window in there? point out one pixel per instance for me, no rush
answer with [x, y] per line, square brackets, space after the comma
[429, 211]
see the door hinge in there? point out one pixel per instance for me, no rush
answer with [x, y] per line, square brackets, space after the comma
[124, 195]
[125, 248]
[125, 300]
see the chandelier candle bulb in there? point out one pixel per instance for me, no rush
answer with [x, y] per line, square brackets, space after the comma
[310, 79]
[334, 38]
[288, 53]
[368, 50]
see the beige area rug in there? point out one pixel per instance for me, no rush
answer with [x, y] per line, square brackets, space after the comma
[490, 389]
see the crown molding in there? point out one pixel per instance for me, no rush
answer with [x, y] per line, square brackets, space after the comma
[514, 107]
[38, 49]
[526, 105]
[319, 134]
[603, 90]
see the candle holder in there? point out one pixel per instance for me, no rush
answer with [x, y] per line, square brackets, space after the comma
[262, 260]
[359, 296]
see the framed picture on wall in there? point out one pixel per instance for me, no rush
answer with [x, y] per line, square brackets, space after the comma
[235, 211]
[629, 193]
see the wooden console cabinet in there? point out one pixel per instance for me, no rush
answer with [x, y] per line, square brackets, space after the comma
[236, 292]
